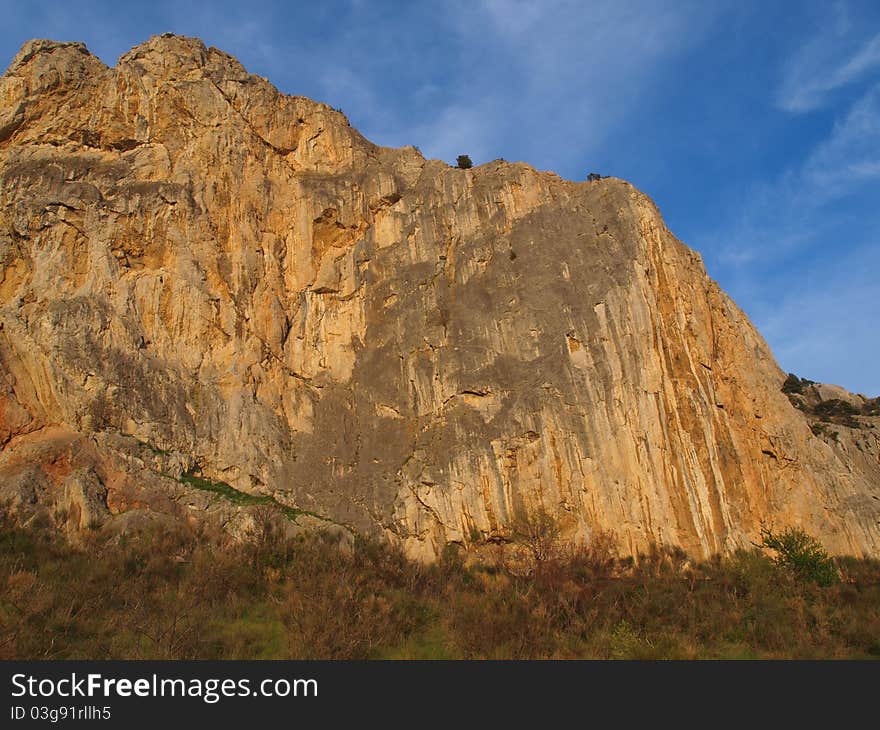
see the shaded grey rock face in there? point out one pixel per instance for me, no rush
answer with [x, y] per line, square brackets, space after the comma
[201, 275]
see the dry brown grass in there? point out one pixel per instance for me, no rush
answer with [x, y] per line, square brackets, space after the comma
[203, 596]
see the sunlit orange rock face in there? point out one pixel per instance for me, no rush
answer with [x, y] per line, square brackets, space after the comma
[199, 274]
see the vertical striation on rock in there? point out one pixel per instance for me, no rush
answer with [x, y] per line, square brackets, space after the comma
[201, 275]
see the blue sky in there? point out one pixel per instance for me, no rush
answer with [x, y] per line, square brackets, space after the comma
[755, 126]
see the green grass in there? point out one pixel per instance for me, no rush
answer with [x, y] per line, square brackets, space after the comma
[242, 499]
[433, 643]
[257, 632]
[224, 490]
[230, 493]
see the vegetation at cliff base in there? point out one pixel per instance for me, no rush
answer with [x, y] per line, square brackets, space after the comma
[802, 555]
[180, 595]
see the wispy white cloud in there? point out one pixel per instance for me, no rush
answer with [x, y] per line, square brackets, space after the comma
[822, 327]
[779, 217]
[515, 17]
[851, 155]
[804, 256]
[458, 129]
[836, 57]
[510, 64]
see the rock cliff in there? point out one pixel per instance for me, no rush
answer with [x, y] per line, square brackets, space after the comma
[213, 294]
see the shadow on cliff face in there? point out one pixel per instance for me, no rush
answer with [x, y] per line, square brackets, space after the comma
[164, 594]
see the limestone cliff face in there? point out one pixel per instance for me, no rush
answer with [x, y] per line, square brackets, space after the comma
[199, 274]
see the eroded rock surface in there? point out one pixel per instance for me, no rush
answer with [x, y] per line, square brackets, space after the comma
[201, 275]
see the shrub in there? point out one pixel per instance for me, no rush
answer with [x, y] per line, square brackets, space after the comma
[835, 407]
[821, 429]
[539, 532]
[839, 411]
[464, 162]
[794, 384]
[801, 555]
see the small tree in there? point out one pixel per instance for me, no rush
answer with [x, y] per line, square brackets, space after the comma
[464, 162]
[539, 532]
[801, 555]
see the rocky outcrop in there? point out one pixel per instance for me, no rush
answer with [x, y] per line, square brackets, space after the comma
[206, 282]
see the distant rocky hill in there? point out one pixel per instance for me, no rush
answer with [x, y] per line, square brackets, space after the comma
[215, 298]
